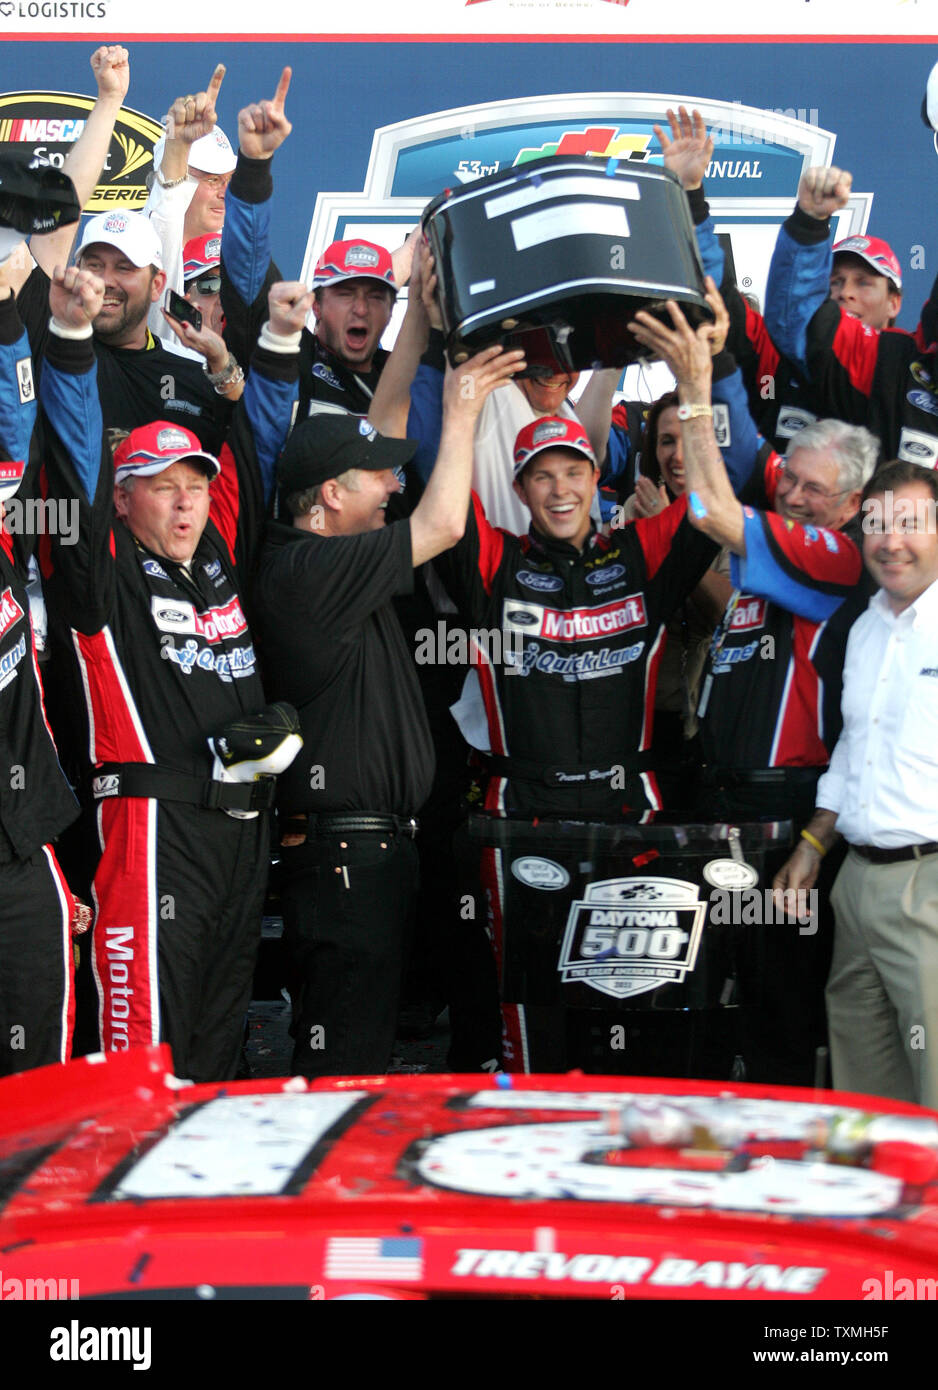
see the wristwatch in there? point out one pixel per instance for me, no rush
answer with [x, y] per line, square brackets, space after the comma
[693, 412]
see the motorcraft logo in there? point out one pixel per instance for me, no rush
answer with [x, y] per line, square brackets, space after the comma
[215, 626]
[749, 614]
[575, 624]
[627, 936]
[10, 611]
[45, 125]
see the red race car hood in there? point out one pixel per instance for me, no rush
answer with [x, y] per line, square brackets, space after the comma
[114, 1180]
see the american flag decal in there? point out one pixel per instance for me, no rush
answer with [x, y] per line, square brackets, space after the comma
[374, 1258]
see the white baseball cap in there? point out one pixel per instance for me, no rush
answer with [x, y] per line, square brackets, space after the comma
[211, 154]
[130, 232]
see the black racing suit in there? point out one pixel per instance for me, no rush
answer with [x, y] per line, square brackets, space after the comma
[166, 660]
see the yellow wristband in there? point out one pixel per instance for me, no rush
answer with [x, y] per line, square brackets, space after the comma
[814, 842]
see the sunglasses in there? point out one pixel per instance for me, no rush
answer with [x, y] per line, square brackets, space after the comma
[205, 284]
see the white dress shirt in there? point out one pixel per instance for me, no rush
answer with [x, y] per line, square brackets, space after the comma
[883, 777]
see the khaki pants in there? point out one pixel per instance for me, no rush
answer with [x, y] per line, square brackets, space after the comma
[882, 993]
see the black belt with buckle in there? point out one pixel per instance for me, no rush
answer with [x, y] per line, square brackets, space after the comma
[350, 825]
[875, 855]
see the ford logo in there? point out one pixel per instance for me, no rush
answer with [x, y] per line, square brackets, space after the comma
[547, 583]
[923, 400]
[606, 576]
[521, 617]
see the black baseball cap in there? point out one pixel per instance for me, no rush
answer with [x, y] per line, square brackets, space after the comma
[35, 200]
[328, 444]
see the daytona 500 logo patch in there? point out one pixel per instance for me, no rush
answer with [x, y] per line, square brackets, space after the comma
[627, 936]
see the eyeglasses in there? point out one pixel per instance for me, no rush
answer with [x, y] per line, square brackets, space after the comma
[214, 181]
[787, 479]
[205, 284]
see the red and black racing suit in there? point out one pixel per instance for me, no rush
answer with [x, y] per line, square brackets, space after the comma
[166, 660]
[570, 702]
[882, 379]
[771, 722]
[36, 969]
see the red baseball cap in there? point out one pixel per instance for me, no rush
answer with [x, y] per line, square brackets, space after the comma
[876, 252]
[151, 448]
[551, 432]
[354, 260]
[200, 254]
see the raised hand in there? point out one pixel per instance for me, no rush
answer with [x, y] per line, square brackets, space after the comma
[263, 127]
[111, 68]
[685, 351]
[423, 284]
[689, 150]
[203, 340]
[822, 192]
[648, 499]
[75, 296]
[468, 385]
[191, 117]
[288, 306]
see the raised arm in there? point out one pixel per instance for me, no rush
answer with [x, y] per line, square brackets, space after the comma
[390, 405]
[799, 276]
[712, 504]
[439, 519]
[246, 263]
[187, 120]
[85, 160]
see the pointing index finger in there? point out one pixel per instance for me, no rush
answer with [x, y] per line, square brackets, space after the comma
[283, 86]
[215, 82]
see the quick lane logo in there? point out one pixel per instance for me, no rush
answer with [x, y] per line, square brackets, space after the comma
[120, 953]
[629, 936]
[45, 126]
[575, 624]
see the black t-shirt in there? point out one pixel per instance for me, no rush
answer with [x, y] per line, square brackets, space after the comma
[332, 645]
[137, 385]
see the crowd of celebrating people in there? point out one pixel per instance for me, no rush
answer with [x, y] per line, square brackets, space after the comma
[721, 608]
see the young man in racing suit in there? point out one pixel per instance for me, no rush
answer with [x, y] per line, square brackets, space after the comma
[154, 603]
[884, 379]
